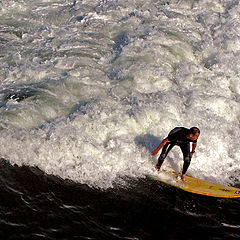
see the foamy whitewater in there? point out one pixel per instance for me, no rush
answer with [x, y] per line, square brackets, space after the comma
[89, 88]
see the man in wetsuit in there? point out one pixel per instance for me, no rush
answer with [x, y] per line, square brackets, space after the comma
[182, 137]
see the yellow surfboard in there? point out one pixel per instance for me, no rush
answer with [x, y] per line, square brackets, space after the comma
[198, 186]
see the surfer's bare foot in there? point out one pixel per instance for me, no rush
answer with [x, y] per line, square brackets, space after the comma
[183, 177]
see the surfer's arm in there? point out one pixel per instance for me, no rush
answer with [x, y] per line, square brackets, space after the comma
[164, 141]
[194, 145]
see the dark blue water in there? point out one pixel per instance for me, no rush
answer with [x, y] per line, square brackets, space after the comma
[39, 206]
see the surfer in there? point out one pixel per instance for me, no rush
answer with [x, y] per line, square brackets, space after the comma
[181, 137]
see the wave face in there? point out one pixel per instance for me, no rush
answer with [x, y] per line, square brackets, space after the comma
[89, 88]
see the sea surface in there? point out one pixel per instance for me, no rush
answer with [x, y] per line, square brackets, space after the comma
[88, 88]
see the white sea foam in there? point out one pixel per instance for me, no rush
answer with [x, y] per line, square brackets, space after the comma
[89, 88]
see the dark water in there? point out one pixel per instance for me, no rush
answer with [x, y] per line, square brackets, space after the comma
[39, 206]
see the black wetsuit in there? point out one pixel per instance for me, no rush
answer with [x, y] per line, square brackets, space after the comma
[178, 136]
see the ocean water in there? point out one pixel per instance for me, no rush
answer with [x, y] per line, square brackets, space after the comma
[88, 89]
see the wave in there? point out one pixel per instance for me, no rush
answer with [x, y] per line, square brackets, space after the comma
[89, 89]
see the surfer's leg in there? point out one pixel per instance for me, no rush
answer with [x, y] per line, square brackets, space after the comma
[164, 154]
[186, 156]
[187, 161]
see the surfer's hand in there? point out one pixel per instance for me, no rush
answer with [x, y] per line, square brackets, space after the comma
[154, 152]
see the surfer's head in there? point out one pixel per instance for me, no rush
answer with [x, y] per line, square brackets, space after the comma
[194, 133]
